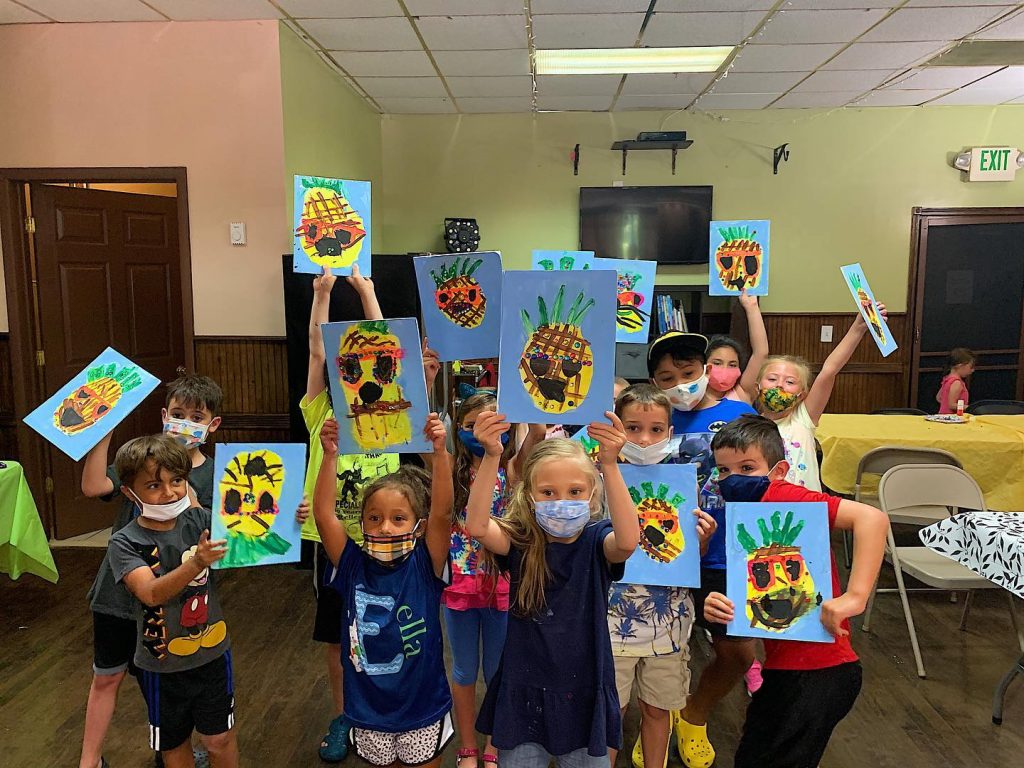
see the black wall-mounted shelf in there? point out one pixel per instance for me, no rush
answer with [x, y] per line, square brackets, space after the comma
[673, 146]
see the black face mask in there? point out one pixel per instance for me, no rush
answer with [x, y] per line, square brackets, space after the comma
[743, 487]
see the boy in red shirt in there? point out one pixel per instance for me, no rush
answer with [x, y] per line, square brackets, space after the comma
[808, 687]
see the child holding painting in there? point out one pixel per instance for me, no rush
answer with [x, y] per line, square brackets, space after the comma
[554, 692]
[731, 377]
[808, 688]
[396, 690]
[787, 397]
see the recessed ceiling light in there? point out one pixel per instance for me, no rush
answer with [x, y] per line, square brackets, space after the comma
[623, 61]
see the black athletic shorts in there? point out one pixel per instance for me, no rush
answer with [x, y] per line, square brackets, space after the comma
[327, 625]
[711, 580]
[792, 715]
[200, 699]
[113, 644]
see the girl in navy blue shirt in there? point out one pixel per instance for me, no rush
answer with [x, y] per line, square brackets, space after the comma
[396, 690]
[554, 692]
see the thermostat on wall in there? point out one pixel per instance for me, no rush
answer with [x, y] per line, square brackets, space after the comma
[238, 233]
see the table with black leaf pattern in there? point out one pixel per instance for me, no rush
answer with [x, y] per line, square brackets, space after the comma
[990, 544]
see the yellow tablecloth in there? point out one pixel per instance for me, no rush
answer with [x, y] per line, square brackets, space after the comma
[991, 448]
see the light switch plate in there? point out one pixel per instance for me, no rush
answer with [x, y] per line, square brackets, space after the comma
[238, 233]
[826, 333]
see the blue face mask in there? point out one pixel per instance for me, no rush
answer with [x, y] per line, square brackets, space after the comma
[562, 518]
[473, 445]
[743, 487]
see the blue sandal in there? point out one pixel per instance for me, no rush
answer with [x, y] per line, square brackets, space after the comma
[334, 747]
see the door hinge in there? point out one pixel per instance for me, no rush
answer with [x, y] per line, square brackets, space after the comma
[30, 225]
[49, 485]
[40, 358]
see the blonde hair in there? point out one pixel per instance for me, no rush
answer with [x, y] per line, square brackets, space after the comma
[520, 522]
[802, 368]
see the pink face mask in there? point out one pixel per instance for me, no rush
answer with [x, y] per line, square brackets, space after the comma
[722, 379]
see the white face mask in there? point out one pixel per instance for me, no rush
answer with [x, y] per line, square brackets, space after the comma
[651, 454]
[191, 434]
[684, 397]
[163, 512]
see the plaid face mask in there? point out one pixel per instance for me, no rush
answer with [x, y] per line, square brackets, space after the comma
[390, 549]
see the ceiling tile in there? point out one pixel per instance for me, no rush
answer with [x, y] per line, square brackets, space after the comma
[416, 106]
[339, 9]
[844, 80]
[759, 82]
[490, 87]
[222, 10]
[676, 29]
[736, 100]
[979, 96]
[463, 7]
[591, 30]
[942, 77]
[1017, 101]
[392, 33]
[402, 87]
[840, 4]
[543, 7]
[578, 85]
[1010, 78]
[819, 26]
[472, 33]
[805, 100]
[493, 105]
[895, 98]
[95, 10]
[1012, 29]
[662, 101]
[884, 55]
[385, 63]
[783, 58]
[911, 24]
[938, 3]
[693, 82]
[714, 5]
[483, 63]
[585, 103]
[11, 13]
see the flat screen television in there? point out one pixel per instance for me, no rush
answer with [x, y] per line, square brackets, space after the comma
[664, 224]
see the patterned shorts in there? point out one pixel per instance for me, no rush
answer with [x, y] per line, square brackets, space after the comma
[416, 747]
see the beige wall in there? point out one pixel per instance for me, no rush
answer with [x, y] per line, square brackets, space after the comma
[206, 96]
[845, 195]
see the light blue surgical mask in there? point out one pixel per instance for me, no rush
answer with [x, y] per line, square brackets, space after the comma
[562, 518]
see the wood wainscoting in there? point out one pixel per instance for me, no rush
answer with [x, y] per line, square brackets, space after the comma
[869, 381]
[8, 424]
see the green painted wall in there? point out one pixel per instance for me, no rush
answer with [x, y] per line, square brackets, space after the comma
[845, 195]
[328, 129]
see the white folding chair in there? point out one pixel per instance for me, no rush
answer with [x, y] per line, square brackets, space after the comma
[915, 493]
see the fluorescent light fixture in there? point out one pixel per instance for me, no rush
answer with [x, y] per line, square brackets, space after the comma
[623, 61]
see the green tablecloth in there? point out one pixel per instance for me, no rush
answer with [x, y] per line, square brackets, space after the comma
[23, 544]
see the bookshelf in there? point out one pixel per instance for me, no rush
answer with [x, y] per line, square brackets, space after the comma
[704, 314]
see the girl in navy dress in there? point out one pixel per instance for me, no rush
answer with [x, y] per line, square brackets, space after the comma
[396, 690]
[554, 692]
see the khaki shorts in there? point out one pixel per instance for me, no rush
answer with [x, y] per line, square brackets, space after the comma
[661, 681]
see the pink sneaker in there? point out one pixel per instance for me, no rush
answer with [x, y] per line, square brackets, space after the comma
[752, 677]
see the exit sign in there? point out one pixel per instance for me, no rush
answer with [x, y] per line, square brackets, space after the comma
[993, 164]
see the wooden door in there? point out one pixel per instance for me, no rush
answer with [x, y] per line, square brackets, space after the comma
[109, 275]
[969, 292]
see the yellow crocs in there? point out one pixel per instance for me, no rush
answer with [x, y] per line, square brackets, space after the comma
[692, 741]
[638, 752]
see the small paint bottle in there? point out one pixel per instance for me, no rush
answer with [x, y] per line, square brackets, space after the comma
[960, 408]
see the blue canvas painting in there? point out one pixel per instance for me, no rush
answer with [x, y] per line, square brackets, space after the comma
[460, 298]
[87, 408]
[259, 487]
[856, 281]
[739, 257]
[331, 225]
[557, 357]
[377, 385]
[665, 496]
[634, 295]
[562, 261]
[778, 569]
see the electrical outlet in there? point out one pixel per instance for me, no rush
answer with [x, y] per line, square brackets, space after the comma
[826, 334]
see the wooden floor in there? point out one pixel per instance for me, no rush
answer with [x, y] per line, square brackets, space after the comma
[283, 702]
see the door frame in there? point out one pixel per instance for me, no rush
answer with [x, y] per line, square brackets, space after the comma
[28, 381]
[922, 219]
